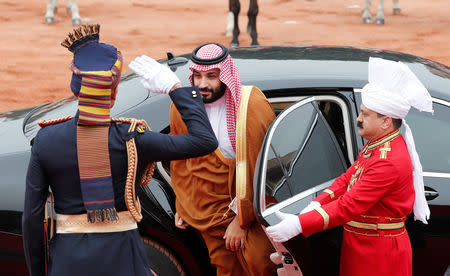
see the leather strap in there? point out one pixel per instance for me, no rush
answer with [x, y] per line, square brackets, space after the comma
[376, 226]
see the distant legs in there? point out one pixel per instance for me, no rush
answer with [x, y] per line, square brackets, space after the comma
[380, 14]
[71, 6]
[251, 27]
[397, 8]
[52, 8]
[367, 18]
[235, 7]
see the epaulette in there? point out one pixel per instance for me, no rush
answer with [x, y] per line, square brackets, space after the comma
[142, 124]
[127, 120]
[44, 123]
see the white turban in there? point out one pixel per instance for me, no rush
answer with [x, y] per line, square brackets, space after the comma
[392, 90]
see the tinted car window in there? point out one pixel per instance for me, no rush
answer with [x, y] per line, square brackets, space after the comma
[431, 135]
[303, 153]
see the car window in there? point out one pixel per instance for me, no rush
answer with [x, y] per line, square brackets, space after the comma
[335, 111]
[431, 135]
[300, 156]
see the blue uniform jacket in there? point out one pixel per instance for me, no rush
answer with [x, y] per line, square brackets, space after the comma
[54, 164]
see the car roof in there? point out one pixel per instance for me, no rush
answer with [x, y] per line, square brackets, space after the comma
[304, 66]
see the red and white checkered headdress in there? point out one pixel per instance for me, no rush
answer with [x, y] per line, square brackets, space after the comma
[203, 60]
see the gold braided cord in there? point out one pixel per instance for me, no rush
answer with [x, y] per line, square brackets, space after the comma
[129, 120]
[131, 200]
[150, 169]
[388, 218]
[43, 123]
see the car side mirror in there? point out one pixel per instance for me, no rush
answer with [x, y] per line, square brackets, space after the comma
[174, 61]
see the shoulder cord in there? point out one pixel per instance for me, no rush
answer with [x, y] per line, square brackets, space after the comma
[131, 200]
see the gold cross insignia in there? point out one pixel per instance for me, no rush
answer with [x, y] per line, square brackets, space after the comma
[384, 150]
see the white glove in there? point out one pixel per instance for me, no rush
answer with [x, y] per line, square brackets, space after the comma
[156, 77]
[288, 228]
[311, 206]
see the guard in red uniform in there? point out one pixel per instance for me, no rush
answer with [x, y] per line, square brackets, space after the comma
[374, 196]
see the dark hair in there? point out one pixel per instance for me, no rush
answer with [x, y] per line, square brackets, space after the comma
[397, 123]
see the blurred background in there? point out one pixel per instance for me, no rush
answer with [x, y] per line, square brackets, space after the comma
[34, 68]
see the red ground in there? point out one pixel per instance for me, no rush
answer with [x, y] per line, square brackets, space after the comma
[34, 67]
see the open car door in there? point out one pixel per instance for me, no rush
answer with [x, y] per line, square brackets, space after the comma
[300, 157]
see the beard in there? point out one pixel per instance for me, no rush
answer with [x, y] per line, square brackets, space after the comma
[215, 93]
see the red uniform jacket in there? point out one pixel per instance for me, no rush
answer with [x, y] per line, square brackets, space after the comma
[371, 199]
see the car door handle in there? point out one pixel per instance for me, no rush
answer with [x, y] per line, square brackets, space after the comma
[430, 193]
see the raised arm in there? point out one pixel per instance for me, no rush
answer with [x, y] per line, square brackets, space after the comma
[200, 140]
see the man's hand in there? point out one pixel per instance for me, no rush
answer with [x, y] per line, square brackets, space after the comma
[234, 235]
[288, 228]
[156, 77]
[311, 206]
[179, 222]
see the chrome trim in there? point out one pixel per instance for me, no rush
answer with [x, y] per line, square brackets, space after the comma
[346, 121]
[297, 197]
[287, 99]
[435, 174]
[439, 101]
[431, 193]
[163, 172]
[345, 113]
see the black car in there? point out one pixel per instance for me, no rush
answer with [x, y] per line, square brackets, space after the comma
[315, 91]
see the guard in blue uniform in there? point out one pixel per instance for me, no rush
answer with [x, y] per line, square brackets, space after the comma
[92, 162]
